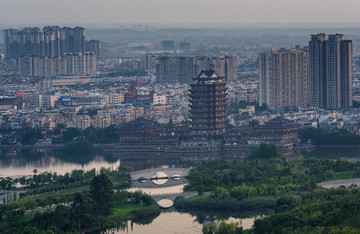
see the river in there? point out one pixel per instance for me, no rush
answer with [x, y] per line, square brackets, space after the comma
[15, 163]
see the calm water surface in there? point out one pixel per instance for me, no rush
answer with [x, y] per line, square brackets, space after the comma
[24, 162]
[175, 222]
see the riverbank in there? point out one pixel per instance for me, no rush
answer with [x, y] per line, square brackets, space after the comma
[117, 148]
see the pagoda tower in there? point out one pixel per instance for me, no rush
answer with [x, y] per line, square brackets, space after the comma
[208, 100]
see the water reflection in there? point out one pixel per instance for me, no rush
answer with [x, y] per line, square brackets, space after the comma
[181, 223]
[165, 223]
[159, 178]
[26, 161]
[333, 153]
[15, 162]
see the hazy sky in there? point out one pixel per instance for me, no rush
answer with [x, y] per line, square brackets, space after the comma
[178, 11]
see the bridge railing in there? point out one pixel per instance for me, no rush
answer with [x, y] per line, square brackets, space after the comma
[161, 186]
[174, 170]
[157, 188]
[357, 180]
[174, 194]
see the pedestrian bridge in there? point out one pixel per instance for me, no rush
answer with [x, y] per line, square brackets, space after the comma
[166, 200]
[173, 196]
[152, 181]
[161, 177]
[337, 183]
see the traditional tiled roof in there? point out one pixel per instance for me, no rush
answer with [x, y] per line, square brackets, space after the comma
[208, 75]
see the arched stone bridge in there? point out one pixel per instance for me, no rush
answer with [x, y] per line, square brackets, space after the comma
[182, 172]
[159, 198]
[172, 196]
[142, 179]
[337, 183]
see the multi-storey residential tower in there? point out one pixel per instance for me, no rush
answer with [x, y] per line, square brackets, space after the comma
[283, 78]
[1, 65]
[168, 45]
[330, 72]
[208, 105]
[94, 46]
[317, 71]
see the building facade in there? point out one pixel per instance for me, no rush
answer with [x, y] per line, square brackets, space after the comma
[71, 64]
[330, 72]
[278, 131]
[283, 78]
[95, 47]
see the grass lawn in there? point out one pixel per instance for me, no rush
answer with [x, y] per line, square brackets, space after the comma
[199, 198]
[122, 211]
[345, 175]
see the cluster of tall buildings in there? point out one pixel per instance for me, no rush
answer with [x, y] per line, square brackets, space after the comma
[319, 76]
[70, 64]
[183, 69]
[52, 52]
[54, 41]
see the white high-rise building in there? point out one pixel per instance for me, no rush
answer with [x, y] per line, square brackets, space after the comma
[283, 78]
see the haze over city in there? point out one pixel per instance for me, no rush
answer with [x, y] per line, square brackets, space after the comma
[178, 12]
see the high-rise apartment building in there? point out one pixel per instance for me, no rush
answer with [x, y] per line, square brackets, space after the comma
[330, 72]
[52, 42]
[165, 70]
[1, 65]
[183, 69]
[283, 78]
[94, 46]
[168, 45]
[184, 46]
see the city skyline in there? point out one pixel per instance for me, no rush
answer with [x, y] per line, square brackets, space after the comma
[155, 11]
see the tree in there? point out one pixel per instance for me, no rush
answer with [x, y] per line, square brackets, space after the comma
[30, 137]
[80, 210]
[109, 135]
[61, 218]
[228, 228]
[221, 193]
[101, 194]
[68, 135]
[266, 151]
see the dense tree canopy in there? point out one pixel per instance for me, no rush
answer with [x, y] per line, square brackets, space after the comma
[101, 194]
[266, 151]
[320, 136]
